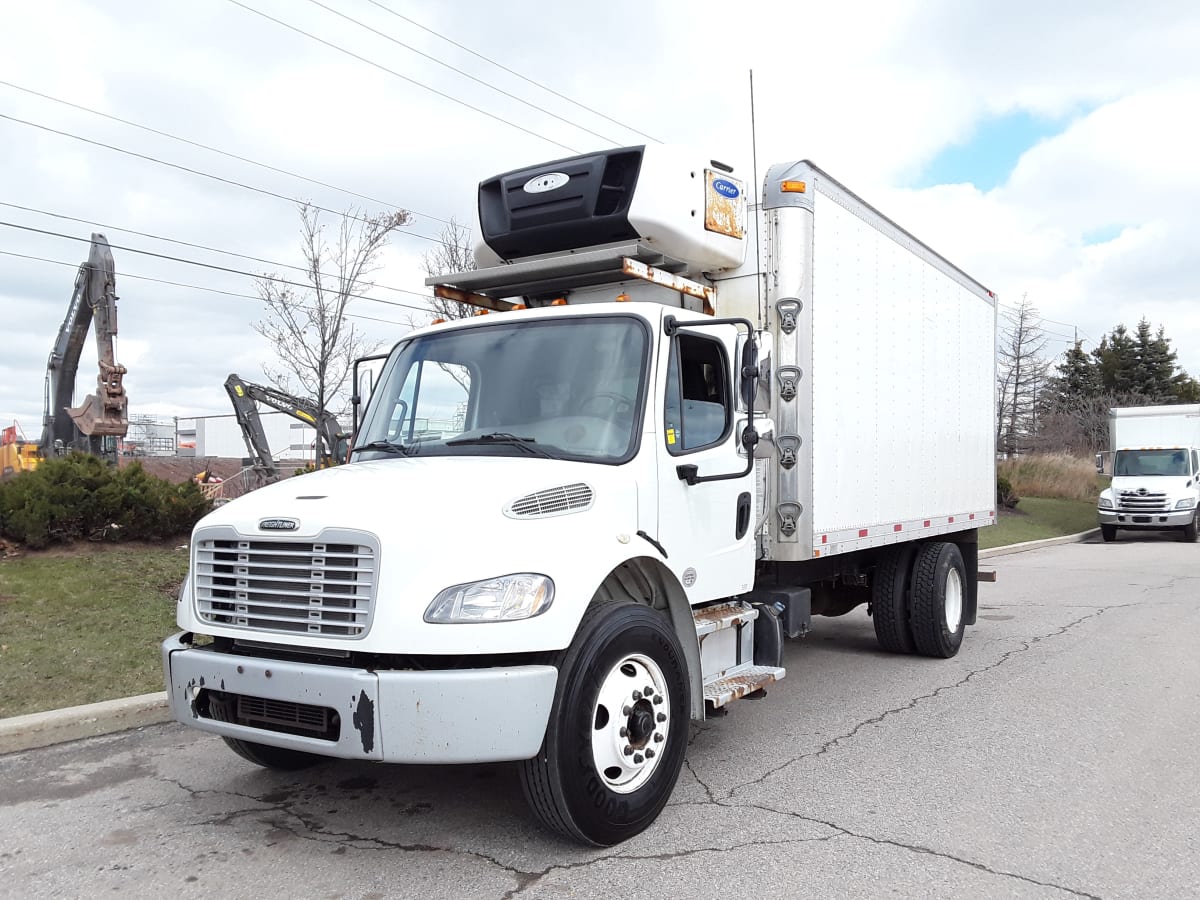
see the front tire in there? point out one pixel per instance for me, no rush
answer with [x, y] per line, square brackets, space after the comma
[939, 591]
[281, 759]
[613, 749]
[1190, 531]
[1109, 533]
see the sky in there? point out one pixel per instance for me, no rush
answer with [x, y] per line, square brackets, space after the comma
[1049, 149]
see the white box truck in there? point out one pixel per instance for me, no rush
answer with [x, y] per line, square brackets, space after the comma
[678, 429]
[1156, 470]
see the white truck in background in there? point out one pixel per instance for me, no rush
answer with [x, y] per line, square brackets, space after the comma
[678, 429]
[1155, 469]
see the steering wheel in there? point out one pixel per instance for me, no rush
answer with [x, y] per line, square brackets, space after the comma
[619, 405]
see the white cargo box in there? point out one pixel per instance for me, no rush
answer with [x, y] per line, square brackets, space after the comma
[891, 356]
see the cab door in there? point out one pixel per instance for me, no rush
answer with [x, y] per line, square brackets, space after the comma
[706, 528]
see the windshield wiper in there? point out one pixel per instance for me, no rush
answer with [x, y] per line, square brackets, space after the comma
[525, 444]
[388, 447]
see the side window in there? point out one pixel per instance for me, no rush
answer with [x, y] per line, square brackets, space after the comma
[1196, 462]
[698, 398]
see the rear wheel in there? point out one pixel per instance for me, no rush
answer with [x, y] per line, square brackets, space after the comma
[1109, 533]
[939, 591]
[618, 727]
[889, 600]
[269, 757]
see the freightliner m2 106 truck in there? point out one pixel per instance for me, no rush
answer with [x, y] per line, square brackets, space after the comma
[678, 429]
[1155, 468]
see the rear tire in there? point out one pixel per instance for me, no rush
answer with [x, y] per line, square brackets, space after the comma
[582, 783]
[1109, 533]
[281, 759]
[889, 600]
[939, 592]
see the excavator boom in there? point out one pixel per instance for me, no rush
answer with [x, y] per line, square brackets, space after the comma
[246, 396]
[105, 414]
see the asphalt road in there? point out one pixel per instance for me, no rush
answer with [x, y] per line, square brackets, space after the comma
[1056, 756]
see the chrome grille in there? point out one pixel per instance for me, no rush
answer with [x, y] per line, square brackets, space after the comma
[324, 588]
[552, 501]
[1135, 501]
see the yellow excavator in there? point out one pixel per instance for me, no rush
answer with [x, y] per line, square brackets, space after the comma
[17, 455]
[332, 445]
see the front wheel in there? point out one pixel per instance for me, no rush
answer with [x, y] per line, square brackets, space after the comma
[939, 591]
[618, 727]
[1190, 531]
[1109, 533]
[281, 759]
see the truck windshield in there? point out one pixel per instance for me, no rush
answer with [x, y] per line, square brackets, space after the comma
[564, 389]
[1151, 462]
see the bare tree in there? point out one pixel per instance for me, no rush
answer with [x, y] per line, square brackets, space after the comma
[307, 326]
[452, 253]
[1021, 371]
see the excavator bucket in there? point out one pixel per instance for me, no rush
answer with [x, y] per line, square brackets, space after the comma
[96, 417]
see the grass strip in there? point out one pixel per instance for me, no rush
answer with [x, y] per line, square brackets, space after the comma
[84, 624]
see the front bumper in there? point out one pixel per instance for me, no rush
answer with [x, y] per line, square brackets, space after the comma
[1175, 518]
[445, 716]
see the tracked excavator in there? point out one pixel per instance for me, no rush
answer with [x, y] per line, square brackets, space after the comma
[333, 442]
[96, 425]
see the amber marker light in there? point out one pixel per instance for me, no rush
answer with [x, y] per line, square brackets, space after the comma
[793, 187]
[561, 301]
[622, 298]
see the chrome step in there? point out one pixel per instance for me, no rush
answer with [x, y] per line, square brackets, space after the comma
[737, 683]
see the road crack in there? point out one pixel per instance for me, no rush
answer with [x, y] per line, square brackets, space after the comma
[844, 738]
[312, 829]
[919, 848]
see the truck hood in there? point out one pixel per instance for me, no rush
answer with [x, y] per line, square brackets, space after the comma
[413, 498]
[1174, 486]
[441, 521]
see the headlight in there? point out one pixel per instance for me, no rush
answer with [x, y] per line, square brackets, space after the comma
[1105, 503]
[502, 599]
[1186, 503]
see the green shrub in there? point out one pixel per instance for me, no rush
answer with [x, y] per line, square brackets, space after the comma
[1005, 495]
[79, 496]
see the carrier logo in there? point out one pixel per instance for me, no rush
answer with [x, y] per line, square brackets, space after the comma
[278, 524]
[551, 181]
[726, 188]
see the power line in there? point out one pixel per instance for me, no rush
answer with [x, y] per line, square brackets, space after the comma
[194, 287]
[218, 150]
[419, 84]
[228, 181]
[505, 68]
[204, 265]
[159, 237]
[447, 65]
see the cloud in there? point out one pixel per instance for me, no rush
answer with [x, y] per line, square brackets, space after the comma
[1094, 222]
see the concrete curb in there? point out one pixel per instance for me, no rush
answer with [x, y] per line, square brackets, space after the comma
[1035, 545]
[57, 726]
[60, 725]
